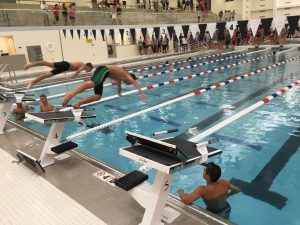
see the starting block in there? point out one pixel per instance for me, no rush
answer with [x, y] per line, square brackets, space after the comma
[6, 101]
[52, 145]
[166, 156]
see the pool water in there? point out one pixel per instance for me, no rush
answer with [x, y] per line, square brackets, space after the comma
[260, 150]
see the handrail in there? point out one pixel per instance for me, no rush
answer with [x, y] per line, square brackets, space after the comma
[9, 72]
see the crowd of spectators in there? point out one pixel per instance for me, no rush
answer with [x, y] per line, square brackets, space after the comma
[67, 12]
[218, 40]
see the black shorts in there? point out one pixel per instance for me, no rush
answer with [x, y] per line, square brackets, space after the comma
[60, 67]
[56, 18]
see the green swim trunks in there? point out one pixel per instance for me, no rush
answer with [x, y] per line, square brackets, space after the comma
[100, 74]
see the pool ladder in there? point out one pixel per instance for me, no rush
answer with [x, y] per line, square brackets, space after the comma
[10, 70]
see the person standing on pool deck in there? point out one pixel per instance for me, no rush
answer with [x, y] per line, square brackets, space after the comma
[58, 67]
[214, 193]
[96, 81]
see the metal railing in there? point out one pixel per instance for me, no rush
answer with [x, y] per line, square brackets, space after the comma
[36, 17]
[6, 67]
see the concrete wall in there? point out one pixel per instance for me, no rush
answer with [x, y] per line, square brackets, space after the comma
[32, 38]
[218, 5]
[84, 49]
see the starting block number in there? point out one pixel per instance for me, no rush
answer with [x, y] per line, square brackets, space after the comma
[105, 176]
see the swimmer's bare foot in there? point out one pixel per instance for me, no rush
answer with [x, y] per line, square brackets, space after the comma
[67, 98]
[76, 106]
[27, 66]
[30, 84]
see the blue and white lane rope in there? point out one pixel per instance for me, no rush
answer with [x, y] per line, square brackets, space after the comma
[242, 113]
[209, 88]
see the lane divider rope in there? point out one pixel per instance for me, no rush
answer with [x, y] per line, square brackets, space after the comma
[77, 81]
[175, 80]
[203, 90]
[161, 73]
[242, 113]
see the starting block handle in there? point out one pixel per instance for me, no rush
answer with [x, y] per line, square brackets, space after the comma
[206, 142]
[77, 114]
[202, 149]
[160, 133]
[19, 96]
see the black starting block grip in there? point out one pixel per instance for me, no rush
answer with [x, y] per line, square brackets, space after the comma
[64, 147]
[131, 180]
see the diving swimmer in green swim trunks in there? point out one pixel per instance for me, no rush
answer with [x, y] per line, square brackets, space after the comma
[96, 81]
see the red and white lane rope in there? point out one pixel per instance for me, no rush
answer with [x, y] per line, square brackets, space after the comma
[180, 79]
[203, 90]
[162, 72]
[242, 113]
[134, 70]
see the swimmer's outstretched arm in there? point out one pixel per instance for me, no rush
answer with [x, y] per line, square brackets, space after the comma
[138, 87]
[77, 72]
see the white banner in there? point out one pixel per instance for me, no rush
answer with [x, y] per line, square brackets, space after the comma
[231, 26]
[138, 33]
[194, 29]
[163, 31]
[254, 25]
[107, 33]
[117, 32]
[150, 31]
[211, 27]
[279, 23]
[178, 30]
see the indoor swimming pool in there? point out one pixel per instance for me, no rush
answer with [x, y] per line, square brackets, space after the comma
[259, 149]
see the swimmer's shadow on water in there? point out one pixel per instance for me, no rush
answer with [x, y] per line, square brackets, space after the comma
[106, 130]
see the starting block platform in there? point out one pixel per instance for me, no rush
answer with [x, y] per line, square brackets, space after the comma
[166, 156]
[7, 99]
[56, 117]
[53, 150]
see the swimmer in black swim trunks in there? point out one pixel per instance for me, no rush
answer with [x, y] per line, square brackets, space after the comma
[58, 67]
[96, 81]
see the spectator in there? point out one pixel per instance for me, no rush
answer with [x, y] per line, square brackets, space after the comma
[45, 106]
[119, 14]
[183, 4]
[178, 4]
[207, 38]
[44, 9]
[220, 15]
[227, 38]
[167, 4]
[187, 4]
[215, 39]
[214, 193]
[165, 43]
[163, 2]
[114, 15]
[148, 45]
[72, 14]
[56, 14]
[156, 5]
[64, 13]
[233, 13]
[140, 45]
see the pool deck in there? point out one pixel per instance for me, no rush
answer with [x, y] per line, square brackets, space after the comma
[69, 186]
